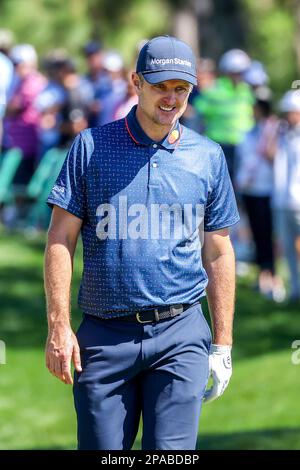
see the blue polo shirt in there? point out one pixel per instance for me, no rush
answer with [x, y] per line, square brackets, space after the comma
[144, 207]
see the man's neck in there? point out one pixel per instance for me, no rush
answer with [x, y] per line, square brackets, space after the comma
[156, 132]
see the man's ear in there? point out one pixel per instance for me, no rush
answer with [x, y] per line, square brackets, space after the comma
[136, 81]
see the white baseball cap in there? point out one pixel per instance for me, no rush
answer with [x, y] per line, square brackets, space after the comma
[113, 62]
[256, 74]
[23, 53]
[234, 61]
[290, 101]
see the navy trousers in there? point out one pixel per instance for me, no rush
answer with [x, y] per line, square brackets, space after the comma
[155, 370]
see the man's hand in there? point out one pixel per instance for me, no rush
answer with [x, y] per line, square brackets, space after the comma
[61, 348]
[220, 369]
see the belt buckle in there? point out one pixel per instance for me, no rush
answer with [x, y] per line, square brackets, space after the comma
[137, 315]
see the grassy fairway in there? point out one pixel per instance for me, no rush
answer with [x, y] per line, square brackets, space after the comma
[258, 411]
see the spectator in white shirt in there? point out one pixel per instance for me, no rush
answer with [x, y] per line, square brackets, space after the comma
[254, 181]
[286, 198]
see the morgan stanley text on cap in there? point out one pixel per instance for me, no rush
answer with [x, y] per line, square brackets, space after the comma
[167, 58]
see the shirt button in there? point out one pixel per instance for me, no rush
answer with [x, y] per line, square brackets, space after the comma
[155, 146]
[155, 165]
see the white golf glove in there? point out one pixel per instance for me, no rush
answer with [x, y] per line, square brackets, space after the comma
[220, 369]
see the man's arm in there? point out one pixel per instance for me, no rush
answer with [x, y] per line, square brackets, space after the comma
[219, 263]
[218, 260]
[61, 346]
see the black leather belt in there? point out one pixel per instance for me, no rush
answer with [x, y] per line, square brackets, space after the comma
[151, 315]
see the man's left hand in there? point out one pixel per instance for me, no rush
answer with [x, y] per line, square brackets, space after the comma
[220, 369]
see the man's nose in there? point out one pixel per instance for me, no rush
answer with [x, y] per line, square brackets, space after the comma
[170, 97]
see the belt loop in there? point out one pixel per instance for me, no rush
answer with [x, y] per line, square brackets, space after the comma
[176, 310]
[156, 314]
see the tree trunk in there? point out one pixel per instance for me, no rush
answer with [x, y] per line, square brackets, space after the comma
[185, 27]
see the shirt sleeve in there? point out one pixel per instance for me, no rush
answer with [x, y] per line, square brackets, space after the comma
[69, 190]
[221, 209]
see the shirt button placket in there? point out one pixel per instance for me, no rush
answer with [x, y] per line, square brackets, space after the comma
[153, 167]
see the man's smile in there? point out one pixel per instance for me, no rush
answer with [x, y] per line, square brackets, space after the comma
[167, 108]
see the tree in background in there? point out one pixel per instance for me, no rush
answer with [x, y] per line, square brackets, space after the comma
[268, 29]
[124, 24]
[49, 24]
[273, 37]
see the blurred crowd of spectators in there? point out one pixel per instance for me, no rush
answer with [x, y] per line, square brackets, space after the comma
[232, 105]
[44, 110]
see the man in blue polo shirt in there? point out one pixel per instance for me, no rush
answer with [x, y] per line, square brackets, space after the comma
[153, 202]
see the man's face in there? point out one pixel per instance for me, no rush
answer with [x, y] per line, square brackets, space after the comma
[293, 118]
[95, 61]
[236, 77]
[24, 68]
[164, 102]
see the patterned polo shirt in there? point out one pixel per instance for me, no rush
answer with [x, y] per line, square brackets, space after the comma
[144, 207]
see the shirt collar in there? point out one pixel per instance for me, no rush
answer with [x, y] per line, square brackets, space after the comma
[170, 142]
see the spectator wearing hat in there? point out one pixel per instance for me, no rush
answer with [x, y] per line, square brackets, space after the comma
[286, 198]
[98, 78]
[226, 107]
[256, 75]
[114, 65]
[22, 121]
[76, 107]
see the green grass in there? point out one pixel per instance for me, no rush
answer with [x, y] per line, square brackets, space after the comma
[258, 411]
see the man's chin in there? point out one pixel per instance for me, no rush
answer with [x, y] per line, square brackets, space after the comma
[167, 120]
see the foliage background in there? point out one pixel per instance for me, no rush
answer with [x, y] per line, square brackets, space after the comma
[267, 29]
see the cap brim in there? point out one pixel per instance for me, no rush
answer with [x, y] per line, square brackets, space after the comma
[157, 77]
[290, 109]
